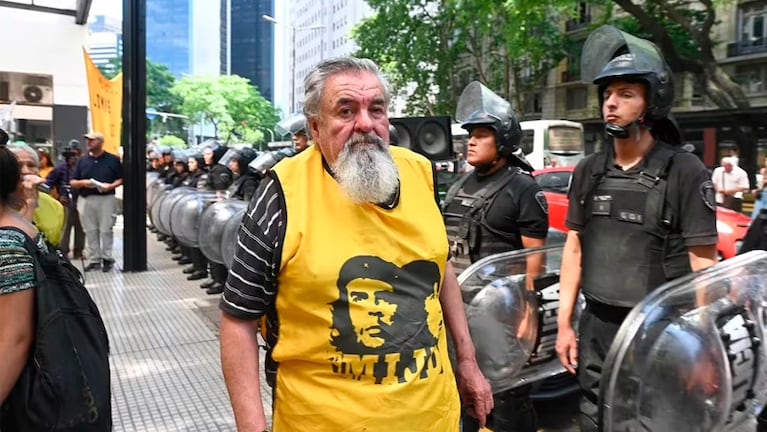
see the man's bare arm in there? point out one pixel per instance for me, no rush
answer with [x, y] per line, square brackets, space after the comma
[701, 257]
[239, 362]
[534, 261]
[569, 282]
[475, 390]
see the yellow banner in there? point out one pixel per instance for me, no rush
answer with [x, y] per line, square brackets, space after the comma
[106, 104]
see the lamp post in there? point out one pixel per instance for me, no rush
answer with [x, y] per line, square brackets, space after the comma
[271, 135]
[293, 29]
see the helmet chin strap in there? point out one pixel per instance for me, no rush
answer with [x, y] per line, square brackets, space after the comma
[623, 132]
[484, 168]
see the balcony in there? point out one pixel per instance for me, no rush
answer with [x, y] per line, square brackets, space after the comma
[572, 25]
[747, 47]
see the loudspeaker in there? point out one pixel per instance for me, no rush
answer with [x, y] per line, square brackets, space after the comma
[429, 136]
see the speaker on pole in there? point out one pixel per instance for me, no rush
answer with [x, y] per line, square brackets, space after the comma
[429, 136]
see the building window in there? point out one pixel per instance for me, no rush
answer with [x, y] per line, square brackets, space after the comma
[576, 98]
[754, 28]
[752, 77]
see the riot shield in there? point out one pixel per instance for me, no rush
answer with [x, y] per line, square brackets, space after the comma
[689, 356]
[513, 322]
[186, 214]
[162, 207]
[606, 42]
[229, 236]
[215, 219]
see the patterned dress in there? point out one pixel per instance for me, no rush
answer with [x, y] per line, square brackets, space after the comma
[17, 267]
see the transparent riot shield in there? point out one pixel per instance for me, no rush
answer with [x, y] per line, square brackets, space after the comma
[186, 214]
[215, 219]
[229, 236]
[513, 321]
[689, 357]
[161, 209]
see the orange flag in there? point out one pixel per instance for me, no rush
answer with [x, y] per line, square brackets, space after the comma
[105, 103]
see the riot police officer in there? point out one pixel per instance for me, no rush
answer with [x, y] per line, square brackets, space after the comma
[497, 207]
[245, 181]
[295, 125]
[640, 213]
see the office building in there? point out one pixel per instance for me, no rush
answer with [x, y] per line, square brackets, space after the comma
[184, 35]
[247, 42]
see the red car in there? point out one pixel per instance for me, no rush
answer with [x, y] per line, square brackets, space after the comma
[732, 226]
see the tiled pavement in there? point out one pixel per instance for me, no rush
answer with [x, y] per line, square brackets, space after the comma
[166, 373]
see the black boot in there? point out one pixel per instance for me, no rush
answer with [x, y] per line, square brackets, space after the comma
[207, 284]
[197, 275]
[185, 260]
[216, 288]
[189, 270]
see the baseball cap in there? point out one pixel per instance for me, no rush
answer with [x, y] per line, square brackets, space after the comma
[94, 135]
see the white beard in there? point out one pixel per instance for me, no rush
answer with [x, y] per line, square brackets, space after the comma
[366, 172]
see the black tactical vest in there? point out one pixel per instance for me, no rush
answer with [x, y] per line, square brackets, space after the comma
[630, 244]
[469, 235]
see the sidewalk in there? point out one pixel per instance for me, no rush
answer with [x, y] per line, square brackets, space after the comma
[163, 329]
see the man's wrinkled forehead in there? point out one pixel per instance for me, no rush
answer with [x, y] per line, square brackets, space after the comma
[349, 87]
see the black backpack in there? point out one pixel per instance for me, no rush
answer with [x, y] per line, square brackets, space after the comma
[65, 384]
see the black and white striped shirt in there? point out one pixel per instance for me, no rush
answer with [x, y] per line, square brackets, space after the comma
[252, 283]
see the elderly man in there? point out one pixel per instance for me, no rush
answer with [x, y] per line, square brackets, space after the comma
[96, 176]
[337, 233]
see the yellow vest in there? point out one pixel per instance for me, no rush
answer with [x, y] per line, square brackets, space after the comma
[362, 343]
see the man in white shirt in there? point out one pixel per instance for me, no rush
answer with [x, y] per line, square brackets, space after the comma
[730, 181]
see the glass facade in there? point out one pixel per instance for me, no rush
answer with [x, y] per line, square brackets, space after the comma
[168, 38]
[251, 47]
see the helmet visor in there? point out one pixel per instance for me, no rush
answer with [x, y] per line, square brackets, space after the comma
[292, 125]
[230, 155]
[606, 43]
[479, 105]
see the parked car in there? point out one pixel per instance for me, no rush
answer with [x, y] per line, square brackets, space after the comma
[731, 225]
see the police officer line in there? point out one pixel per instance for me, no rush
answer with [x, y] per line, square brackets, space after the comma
[196, 218]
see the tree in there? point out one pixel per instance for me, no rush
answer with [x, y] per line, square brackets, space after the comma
[437, 47]
[682, 29]
[229, 102]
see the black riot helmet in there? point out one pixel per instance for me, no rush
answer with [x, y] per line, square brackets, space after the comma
[609, 55]
[243, 157]
[479, 106]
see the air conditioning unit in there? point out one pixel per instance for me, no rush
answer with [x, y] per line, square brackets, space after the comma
[26, 88]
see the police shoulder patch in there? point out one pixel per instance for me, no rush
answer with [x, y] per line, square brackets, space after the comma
[708, 195]
[540, 198]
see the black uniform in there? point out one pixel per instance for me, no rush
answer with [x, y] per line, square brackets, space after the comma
[619, 215]
[244, 186]
[514, 208]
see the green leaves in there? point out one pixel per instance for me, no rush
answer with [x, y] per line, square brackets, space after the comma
[230, 102]
[432, 49]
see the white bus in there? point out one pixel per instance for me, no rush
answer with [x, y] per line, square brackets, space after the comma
[545, 143]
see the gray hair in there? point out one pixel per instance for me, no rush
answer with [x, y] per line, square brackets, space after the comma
[18, 147]
[314, 83]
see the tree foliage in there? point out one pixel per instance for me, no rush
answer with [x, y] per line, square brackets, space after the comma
[229, 102]
[682, 29]
[432, 49]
